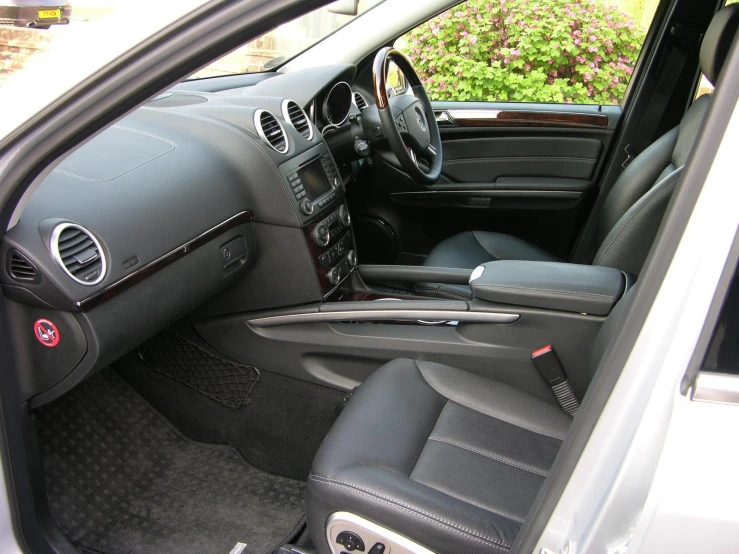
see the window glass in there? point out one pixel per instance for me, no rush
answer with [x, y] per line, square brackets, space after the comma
[283, 43]
[723, 353]
[563, 51]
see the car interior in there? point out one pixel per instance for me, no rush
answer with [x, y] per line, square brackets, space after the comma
[302, 311]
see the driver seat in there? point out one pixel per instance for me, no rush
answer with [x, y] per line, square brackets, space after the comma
[628, 220]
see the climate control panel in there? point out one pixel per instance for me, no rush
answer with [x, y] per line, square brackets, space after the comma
[331, 242]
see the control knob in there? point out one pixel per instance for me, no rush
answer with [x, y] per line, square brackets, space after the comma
[306, 206]
[334, 276]
[344, 216]
[321, 234]
[351, 258]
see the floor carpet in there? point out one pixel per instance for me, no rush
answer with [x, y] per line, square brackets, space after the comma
[121, 479]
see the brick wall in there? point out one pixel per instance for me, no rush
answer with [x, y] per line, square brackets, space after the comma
[17, 45]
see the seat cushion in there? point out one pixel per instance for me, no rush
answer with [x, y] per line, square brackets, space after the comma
[469, 249]
[447, 458]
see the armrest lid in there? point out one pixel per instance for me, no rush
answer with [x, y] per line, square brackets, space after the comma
[549, 285]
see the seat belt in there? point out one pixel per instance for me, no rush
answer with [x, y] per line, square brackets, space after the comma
[546, 361]
[668, 79]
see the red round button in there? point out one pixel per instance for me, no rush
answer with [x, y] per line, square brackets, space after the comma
[46, 332]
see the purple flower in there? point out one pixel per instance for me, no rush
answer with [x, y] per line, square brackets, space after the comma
[472, 39]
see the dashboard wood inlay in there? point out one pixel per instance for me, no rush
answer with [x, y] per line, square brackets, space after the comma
[513, 118]
[160, 263]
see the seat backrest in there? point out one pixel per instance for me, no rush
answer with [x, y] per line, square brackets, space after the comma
[632, 212]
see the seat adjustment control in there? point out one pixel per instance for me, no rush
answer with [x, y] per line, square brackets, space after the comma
[350, 541]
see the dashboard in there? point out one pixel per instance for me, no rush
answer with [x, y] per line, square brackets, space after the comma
[205, 202]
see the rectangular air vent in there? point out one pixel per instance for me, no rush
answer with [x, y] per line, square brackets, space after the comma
[20, 269]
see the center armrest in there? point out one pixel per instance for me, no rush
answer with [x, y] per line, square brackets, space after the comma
[549, 285]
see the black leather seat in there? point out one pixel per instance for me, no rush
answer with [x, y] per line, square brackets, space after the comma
[632, 212]
[447, 458]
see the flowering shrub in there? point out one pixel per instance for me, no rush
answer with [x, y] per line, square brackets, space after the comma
[573, 51]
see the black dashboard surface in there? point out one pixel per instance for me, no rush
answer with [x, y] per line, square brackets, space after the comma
[164, 178]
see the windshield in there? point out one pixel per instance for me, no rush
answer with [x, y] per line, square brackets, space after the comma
[283, 43]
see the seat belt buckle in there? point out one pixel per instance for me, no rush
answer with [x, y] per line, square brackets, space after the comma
[548, 364]
[629, 156]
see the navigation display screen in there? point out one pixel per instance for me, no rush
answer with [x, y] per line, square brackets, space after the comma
[314, 179]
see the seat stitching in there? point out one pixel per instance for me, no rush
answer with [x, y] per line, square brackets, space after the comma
[81, 178]
[491, 456]
[438, 521]
[497, 417]
[495, 258]
[561, 292]
[438, 416]
[662, 188]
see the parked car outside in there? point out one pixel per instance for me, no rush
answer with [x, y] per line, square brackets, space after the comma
[37, 14]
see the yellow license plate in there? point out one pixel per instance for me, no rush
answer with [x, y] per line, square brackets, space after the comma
[49, 14]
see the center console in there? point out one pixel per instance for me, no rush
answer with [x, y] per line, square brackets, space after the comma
[317, 192]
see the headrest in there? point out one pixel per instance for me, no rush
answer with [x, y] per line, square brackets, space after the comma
[717, 42]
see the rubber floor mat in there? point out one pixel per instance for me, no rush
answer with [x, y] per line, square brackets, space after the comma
[121, 479]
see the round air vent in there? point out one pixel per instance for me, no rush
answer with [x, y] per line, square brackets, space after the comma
[293, 113]
[78, 253]
[270, 130]
[359, 101]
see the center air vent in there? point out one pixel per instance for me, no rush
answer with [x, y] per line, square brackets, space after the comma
[293, 113]
[270, 130]
[360, 101]
[79, 253]
[20, 268]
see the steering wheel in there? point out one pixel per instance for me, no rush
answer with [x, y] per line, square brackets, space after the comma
[408, 121]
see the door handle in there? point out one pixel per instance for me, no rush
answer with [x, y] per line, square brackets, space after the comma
[443, 119]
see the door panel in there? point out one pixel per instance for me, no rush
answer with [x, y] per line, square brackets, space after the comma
[529, 170]
[487, 159]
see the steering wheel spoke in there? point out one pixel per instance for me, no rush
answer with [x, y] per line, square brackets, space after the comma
[405, 125]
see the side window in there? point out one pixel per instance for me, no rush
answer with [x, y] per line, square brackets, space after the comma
[561, 51]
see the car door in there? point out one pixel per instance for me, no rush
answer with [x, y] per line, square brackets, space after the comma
[527, 99]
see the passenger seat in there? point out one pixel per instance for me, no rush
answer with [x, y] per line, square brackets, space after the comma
[632, 212]
[445, 457]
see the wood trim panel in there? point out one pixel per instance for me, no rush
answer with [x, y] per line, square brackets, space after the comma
[160, 263]
[513, 118]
